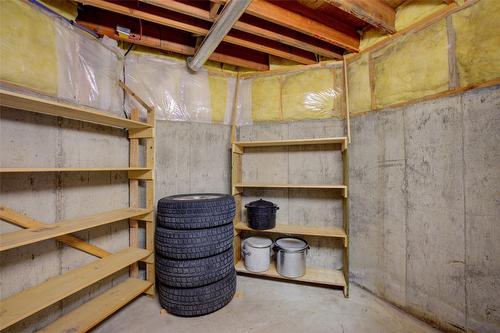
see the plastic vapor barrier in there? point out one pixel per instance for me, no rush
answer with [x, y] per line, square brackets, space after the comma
[307, 94]
[176, 93]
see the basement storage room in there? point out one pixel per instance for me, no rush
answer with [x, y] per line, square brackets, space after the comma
[250, 166]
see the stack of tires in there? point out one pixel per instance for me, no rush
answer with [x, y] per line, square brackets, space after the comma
[194, 253]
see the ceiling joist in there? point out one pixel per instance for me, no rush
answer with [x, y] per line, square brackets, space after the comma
[377, 13]
[201, 28]
[343, 36]
[256, 27]
[223, 54]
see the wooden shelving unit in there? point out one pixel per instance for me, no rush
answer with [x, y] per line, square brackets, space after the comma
[93, 312]
[26, 303]
[28, 236]
[305, 230]
[313, 275]
[28, 170]
[328, 277]
[54, 108]
[29, 301]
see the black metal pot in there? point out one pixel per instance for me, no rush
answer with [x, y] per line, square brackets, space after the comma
[261, 214]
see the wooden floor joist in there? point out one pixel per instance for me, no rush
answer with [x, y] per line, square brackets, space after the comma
[344, 36]
[178, 47]
[26, 303]
[88, 315]
[199, 27]
[377, 13]
[255, 27]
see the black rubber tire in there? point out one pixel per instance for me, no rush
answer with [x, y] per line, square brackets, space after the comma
[194, 272]
[193, 244]
[174, 213]
[191, 302]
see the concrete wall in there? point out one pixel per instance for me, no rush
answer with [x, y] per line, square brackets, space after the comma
[423, 181]
[192, 157]
[33, 140]
[423, 208]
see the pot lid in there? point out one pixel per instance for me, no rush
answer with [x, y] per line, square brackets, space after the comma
[261, 203]
[260, 242]
[291, 244]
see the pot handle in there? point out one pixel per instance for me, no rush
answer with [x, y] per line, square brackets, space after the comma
[275, 248]
[244, 253]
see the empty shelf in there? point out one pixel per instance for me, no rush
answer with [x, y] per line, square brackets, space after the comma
[65, 110]
[330, 277]
[96, 310]
[300, 142]
[28, 236]
[30, 301]
[302, 186]
[27, 170]
[293, 229]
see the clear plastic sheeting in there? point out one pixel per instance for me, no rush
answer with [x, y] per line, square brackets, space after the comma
[298, 95]
[88, 71]
[57, 59]
[176, 93]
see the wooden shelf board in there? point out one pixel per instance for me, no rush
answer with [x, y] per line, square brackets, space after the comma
[32, 235]
[27, 170]
[305, 186]
[298, 230]
[30, 301]
[300, 142]
[88, 315]
[313, 275]
[66, 110]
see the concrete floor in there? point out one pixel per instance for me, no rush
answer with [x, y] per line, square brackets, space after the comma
[262, 305]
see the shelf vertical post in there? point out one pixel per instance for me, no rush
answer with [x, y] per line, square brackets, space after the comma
[345, 205]
[150, 191]
[134, 194]
[236, 175]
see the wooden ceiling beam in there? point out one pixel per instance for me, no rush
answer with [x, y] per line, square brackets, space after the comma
[245, 24]
[172, 46]
[343, 35]
[198, 27]
[214, 9]
[377, 13]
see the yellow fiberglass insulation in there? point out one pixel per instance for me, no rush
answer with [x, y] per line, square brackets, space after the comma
[412, 67]
[358, 73]
[370, 37]
[309, 95]
[27, 47]
[413, 11]
[339, 108]
[477, 31]
[266, 99]
[218, 97]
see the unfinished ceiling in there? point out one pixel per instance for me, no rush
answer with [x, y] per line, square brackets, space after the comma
[301, 31]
